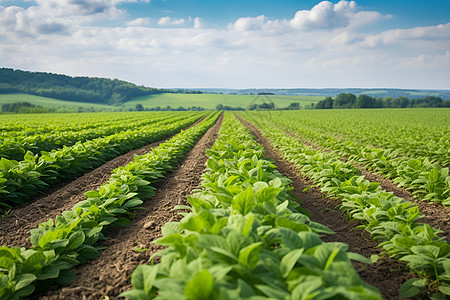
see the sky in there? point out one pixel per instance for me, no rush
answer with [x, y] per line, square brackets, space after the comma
[233, 44]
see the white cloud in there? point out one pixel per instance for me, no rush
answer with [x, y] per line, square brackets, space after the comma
[245, 24]
[168, 21]
[55, 16]
[198, 24]
[139, 22]
[427, 36]
[325, 15]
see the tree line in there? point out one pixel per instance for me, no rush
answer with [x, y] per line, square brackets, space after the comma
[349, 100]
[82, 89]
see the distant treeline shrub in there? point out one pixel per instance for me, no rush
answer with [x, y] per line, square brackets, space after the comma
[349, 100]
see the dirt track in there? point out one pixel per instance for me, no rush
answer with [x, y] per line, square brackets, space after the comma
[387, 274]
[109, 274]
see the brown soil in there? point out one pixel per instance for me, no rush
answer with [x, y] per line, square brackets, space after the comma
[386, 274]
[15, 227]
[109, 275]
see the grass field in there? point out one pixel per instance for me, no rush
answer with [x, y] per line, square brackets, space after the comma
[51, 102]
[210, 101]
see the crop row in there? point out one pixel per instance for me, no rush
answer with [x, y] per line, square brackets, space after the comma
[71, 238]
[412, 133]
[20, 181]
[245, 237]
[44, 123]
[389, 219]
[426, 180]
[16, 147]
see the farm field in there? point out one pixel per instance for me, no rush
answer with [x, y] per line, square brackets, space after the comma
[341, 204]
[207, 101]
[210, 101]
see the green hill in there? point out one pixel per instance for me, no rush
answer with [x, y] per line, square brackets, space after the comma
[80, 89]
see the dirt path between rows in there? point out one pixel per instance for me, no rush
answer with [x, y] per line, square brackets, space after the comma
[109, 274]
[386, 274]
[15, 227]
[435, 215]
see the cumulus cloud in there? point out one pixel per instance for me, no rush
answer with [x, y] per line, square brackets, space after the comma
[422, 35]
[168, 21]
[139, 22]
[326, 15]
[245, 24]
[56, 16]
[198, 24]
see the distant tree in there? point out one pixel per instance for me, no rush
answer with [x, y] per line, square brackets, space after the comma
[344, 100]
[326, 103]
[266, 106]
[219, 107]
[294, 105]
[139, 107]
[365, 101]
[387, 102]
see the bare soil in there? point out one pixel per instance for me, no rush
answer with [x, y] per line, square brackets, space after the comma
[386, 274]
[15, 227]
[109, 275]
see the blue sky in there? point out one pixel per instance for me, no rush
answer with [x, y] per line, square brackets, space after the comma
[235, 44]
[405, 12]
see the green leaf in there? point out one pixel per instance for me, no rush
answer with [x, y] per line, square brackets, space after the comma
[267, 193]
[248, 225]
[24, 280]
[76, 240]
[244, 202]
[201, 287]
[273, 293]
[289, 260]
[249, 256]
[200, 223]
[361, 258]
[65, 276]
[143, 278]
[135, 295]
[445, 289]
[121, 222]
[295, 226]
[132, 203]
[411, 287]
[6, 262]
[49, 272]
[92, 194]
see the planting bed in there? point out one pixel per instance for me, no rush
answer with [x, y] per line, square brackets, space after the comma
[198, 163]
